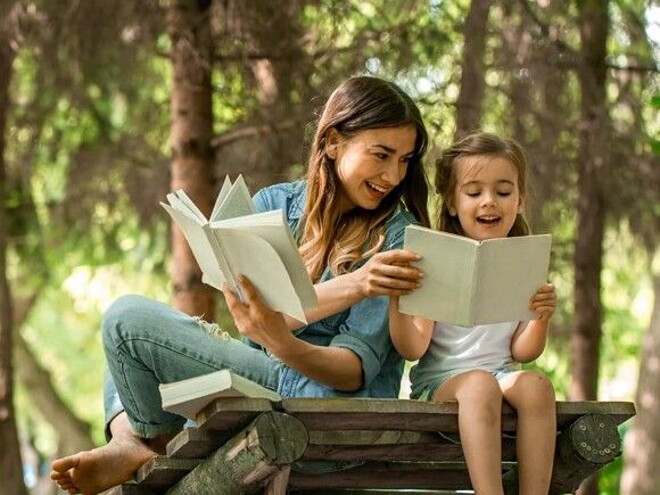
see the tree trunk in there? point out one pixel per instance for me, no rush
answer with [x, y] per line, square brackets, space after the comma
[75, 433]
[592, 160]
[11, 469]
[191, 131]
[470, 96]
[642, 442]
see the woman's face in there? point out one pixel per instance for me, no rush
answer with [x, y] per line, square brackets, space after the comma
[371, 164]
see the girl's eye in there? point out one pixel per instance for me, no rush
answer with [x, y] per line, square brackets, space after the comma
[504, 193]
[473, 194]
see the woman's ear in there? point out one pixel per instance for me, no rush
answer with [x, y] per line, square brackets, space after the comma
[331, 142]
[521, 205]
[451, 208]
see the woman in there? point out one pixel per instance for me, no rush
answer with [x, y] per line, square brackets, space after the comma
[349, 217]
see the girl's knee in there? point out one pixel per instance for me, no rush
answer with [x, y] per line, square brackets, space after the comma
[536, 390]
[478, 386]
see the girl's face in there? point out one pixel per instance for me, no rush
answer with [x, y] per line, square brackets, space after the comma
[371, 164]
[486, 197]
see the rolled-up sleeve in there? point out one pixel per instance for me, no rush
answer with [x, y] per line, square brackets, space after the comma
[366, 333]
[366, 330]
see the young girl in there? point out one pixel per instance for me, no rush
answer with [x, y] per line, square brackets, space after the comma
[364, 184]
[481, 181]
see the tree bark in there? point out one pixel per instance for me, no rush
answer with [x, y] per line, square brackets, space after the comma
[191, 131]
[11, 468]
[471, 93]
[592, 163]
[642, 442]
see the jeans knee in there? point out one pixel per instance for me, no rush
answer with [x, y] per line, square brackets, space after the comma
[123, 314]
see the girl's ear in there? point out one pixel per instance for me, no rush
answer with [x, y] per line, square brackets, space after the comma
[331, 142]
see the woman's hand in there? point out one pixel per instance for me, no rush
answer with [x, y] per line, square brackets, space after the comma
[544, 302]
[253, 318]
[389, 273]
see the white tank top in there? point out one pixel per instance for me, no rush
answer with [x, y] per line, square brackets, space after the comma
[456, 349]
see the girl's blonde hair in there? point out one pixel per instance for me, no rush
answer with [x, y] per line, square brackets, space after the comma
[481, 143]
[340, 241]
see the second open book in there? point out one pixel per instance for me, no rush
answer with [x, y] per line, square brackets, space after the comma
[470, 282]
[235, 240]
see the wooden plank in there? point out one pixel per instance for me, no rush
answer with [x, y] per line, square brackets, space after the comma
[270, 443]
[279, 483]
[231, 414]
[392, 414]
[193, 443]
[161, 471]
[441, 452]
[387, 476]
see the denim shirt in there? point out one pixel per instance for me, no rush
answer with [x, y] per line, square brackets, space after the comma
[362, 328]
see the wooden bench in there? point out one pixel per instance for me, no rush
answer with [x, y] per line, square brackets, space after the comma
[247, 445]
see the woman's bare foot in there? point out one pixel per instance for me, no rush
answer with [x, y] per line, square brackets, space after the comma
[96, 470]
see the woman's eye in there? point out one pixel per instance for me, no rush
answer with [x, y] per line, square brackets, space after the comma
[381, 156]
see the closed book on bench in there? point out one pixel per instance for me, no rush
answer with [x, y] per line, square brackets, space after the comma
[188, 397]
[469, 282]
[237, 241]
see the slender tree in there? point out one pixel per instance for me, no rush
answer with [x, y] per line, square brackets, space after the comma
[11, 469]
[642, 442]
[188, 24]
[473, 84]
[591, 165]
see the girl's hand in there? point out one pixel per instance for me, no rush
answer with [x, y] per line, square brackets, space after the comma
[253, 318]
[544, 302]
[389, 273]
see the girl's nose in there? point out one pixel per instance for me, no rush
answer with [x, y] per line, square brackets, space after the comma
[488, 199]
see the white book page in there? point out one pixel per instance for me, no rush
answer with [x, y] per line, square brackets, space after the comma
[185, 199]
[179, 205]
[201, 247]
[255, 258]
[511, 270]
[448, 263]
[236, 203]
[272, 227]
[226, 185]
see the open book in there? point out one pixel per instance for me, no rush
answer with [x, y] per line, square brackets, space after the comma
[470, 282]
[188, 397]
[237, 241]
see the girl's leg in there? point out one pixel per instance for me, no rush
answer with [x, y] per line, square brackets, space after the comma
[479, 421]
[533, 397]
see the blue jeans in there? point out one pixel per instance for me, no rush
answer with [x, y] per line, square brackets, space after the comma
[147, 343]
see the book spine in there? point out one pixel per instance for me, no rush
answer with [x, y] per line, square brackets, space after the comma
[221, 256]
[474, 284]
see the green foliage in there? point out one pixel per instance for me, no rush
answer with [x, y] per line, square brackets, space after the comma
[87, 155]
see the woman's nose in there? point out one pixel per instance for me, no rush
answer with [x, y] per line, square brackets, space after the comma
[393, 173]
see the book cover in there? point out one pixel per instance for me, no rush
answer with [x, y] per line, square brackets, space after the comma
[188, 397]
[237, 241]
[470, 282]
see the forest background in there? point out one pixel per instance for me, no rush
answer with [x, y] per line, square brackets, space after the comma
[106, 105]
